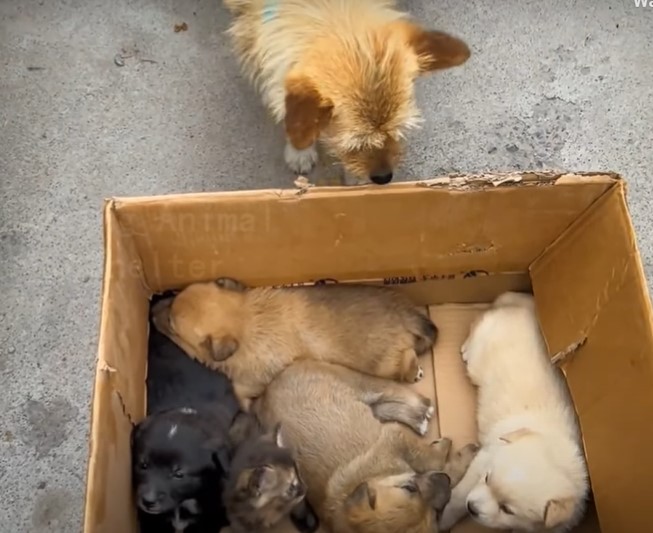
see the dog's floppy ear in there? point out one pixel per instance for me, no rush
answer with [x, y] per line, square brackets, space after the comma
[307, 112]
[363, 494]
[220, 348]
[558, 512]
[436, 50]
[514, 436]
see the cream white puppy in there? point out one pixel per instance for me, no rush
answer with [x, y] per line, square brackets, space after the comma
[530, 474]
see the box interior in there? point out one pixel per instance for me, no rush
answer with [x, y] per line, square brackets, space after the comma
[452, 244]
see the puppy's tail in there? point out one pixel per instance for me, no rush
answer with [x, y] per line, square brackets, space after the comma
[426, 335]
[238, 7]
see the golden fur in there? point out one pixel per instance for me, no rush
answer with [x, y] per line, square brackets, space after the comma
[342, 71]
[253, 334]
[362, 475]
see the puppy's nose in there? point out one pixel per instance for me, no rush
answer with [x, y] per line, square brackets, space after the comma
[381, 179]
[149, 499]
[471, 509]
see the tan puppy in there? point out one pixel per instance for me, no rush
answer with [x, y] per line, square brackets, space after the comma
[530, 473]
[253, 334]
[342, 72]
[362, 475]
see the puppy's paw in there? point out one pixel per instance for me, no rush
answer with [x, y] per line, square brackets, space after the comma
[412, 370]
[300, 161]
[442, 446]
[467, 453]
[464, 351]
[426, 414]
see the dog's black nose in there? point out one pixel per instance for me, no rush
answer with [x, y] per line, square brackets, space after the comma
[382, 179]
[471, 509]
[149, 500]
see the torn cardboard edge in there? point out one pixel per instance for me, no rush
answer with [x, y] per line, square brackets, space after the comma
[453, 182]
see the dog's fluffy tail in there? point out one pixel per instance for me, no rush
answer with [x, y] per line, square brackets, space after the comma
[238, 7]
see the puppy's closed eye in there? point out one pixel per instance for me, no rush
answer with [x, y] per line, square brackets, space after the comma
[505, 509]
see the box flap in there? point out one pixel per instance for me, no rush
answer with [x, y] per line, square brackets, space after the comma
[405, 229]
[595, 314]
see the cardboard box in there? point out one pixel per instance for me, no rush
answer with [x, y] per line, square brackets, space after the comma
[453, 244]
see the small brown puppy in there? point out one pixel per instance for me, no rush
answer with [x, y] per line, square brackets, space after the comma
[363, 476]
[253, 334]
[263, 491]
[341, 72]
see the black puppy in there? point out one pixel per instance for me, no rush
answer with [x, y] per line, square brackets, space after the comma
[175, 380]
[176, 468]
[179, 449]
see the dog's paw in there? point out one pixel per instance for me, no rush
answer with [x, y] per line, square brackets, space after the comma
[300, 161]
[420, 374]
[442, 445]
[425, 414]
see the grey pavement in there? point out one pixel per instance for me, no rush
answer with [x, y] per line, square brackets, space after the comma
[552, 84]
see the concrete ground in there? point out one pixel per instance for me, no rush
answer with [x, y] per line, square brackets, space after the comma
[549, 85]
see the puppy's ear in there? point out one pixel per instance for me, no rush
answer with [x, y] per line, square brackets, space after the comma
[557, 512]
[441, 484]
[436, 50]
[307, 112]
[514, 436]
[220, 348]
[364, 494]
[230, 284]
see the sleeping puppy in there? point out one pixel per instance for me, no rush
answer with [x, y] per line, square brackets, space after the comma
[530, 473]
[362, 475]
[263, 490]
[174, 380]
[175, 472]
[253, 334]
[190, 409]
[339, 72]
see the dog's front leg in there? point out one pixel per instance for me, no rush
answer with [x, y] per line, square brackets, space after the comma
[300, 161]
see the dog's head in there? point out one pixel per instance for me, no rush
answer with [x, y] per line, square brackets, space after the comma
[173, 461]
[403, 503]
[354, 90]
[205, 319]
[528, 485]
[263, 485]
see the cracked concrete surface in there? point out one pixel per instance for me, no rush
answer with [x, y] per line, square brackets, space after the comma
[551, 84]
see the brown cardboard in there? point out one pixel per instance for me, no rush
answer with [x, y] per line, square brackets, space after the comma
[459, 239]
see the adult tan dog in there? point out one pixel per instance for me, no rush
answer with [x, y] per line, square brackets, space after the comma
[253, 334]
[362, 475]
[530, 473]
[340, 71]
